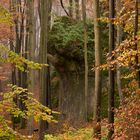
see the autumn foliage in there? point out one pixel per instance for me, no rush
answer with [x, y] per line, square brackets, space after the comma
[127, 124]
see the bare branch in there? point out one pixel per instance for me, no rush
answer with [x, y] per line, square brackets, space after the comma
[62, 5]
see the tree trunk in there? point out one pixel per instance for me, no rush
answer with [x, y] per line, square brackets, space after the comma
[119, 40]
[98, 79]
[44, 23]
[85, 54]
[111, 72]
[24, 50]
[136, 29]
[30, 30]
[77, 10]
[71, 8]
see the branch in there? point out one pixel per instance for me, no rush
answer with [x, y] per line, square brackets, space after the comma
[62, 5]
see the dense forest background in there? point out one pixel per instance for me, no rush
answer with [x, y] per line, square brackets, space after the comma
[69, 69]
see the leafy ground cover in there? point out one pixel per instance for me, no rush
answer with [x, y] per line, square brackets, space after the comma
[74, 134]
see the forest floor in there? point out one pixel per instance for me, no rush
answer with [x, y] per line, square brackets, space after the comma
[83, 133]
[62, 130]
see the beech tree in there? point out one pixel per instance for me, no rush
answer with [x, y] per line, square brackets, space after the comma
[111, 71]
[85, 54]
[98, 81]
[30, 29]
[45, 7]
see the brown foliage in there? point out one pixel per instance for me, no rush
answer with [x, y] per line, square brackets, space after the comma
[5, 32]
[127, 124]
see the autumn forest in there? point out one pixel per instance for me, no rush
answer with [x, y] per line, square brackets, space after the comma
[69, 69]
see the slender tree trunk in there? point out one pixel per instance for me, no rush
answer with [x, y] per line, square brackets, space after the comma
[24, 49]
[30, 30]
[119, 40]
[98, 87]
[77, 10]
[12, 9]
[111, 72]
[135, 34]
[44, 22]
[85, 53]
[71, 8]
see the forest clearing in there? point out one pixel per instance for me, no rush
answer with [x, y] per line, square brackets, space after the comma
[69, 69]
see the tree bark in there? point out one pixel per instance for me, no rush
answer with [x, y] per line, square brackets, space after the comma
[30, 29]
[111, 71]
[71, 8]
[77, 10]
[44, 23]
[85, 54]
[98, 87]
[24, 48]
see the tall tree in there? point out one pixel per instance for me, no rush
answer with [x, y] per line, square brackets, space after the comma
[111, 71]
[30, 30]
[18, 77]
[98, 87]
[85, 53]
[44, 23]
